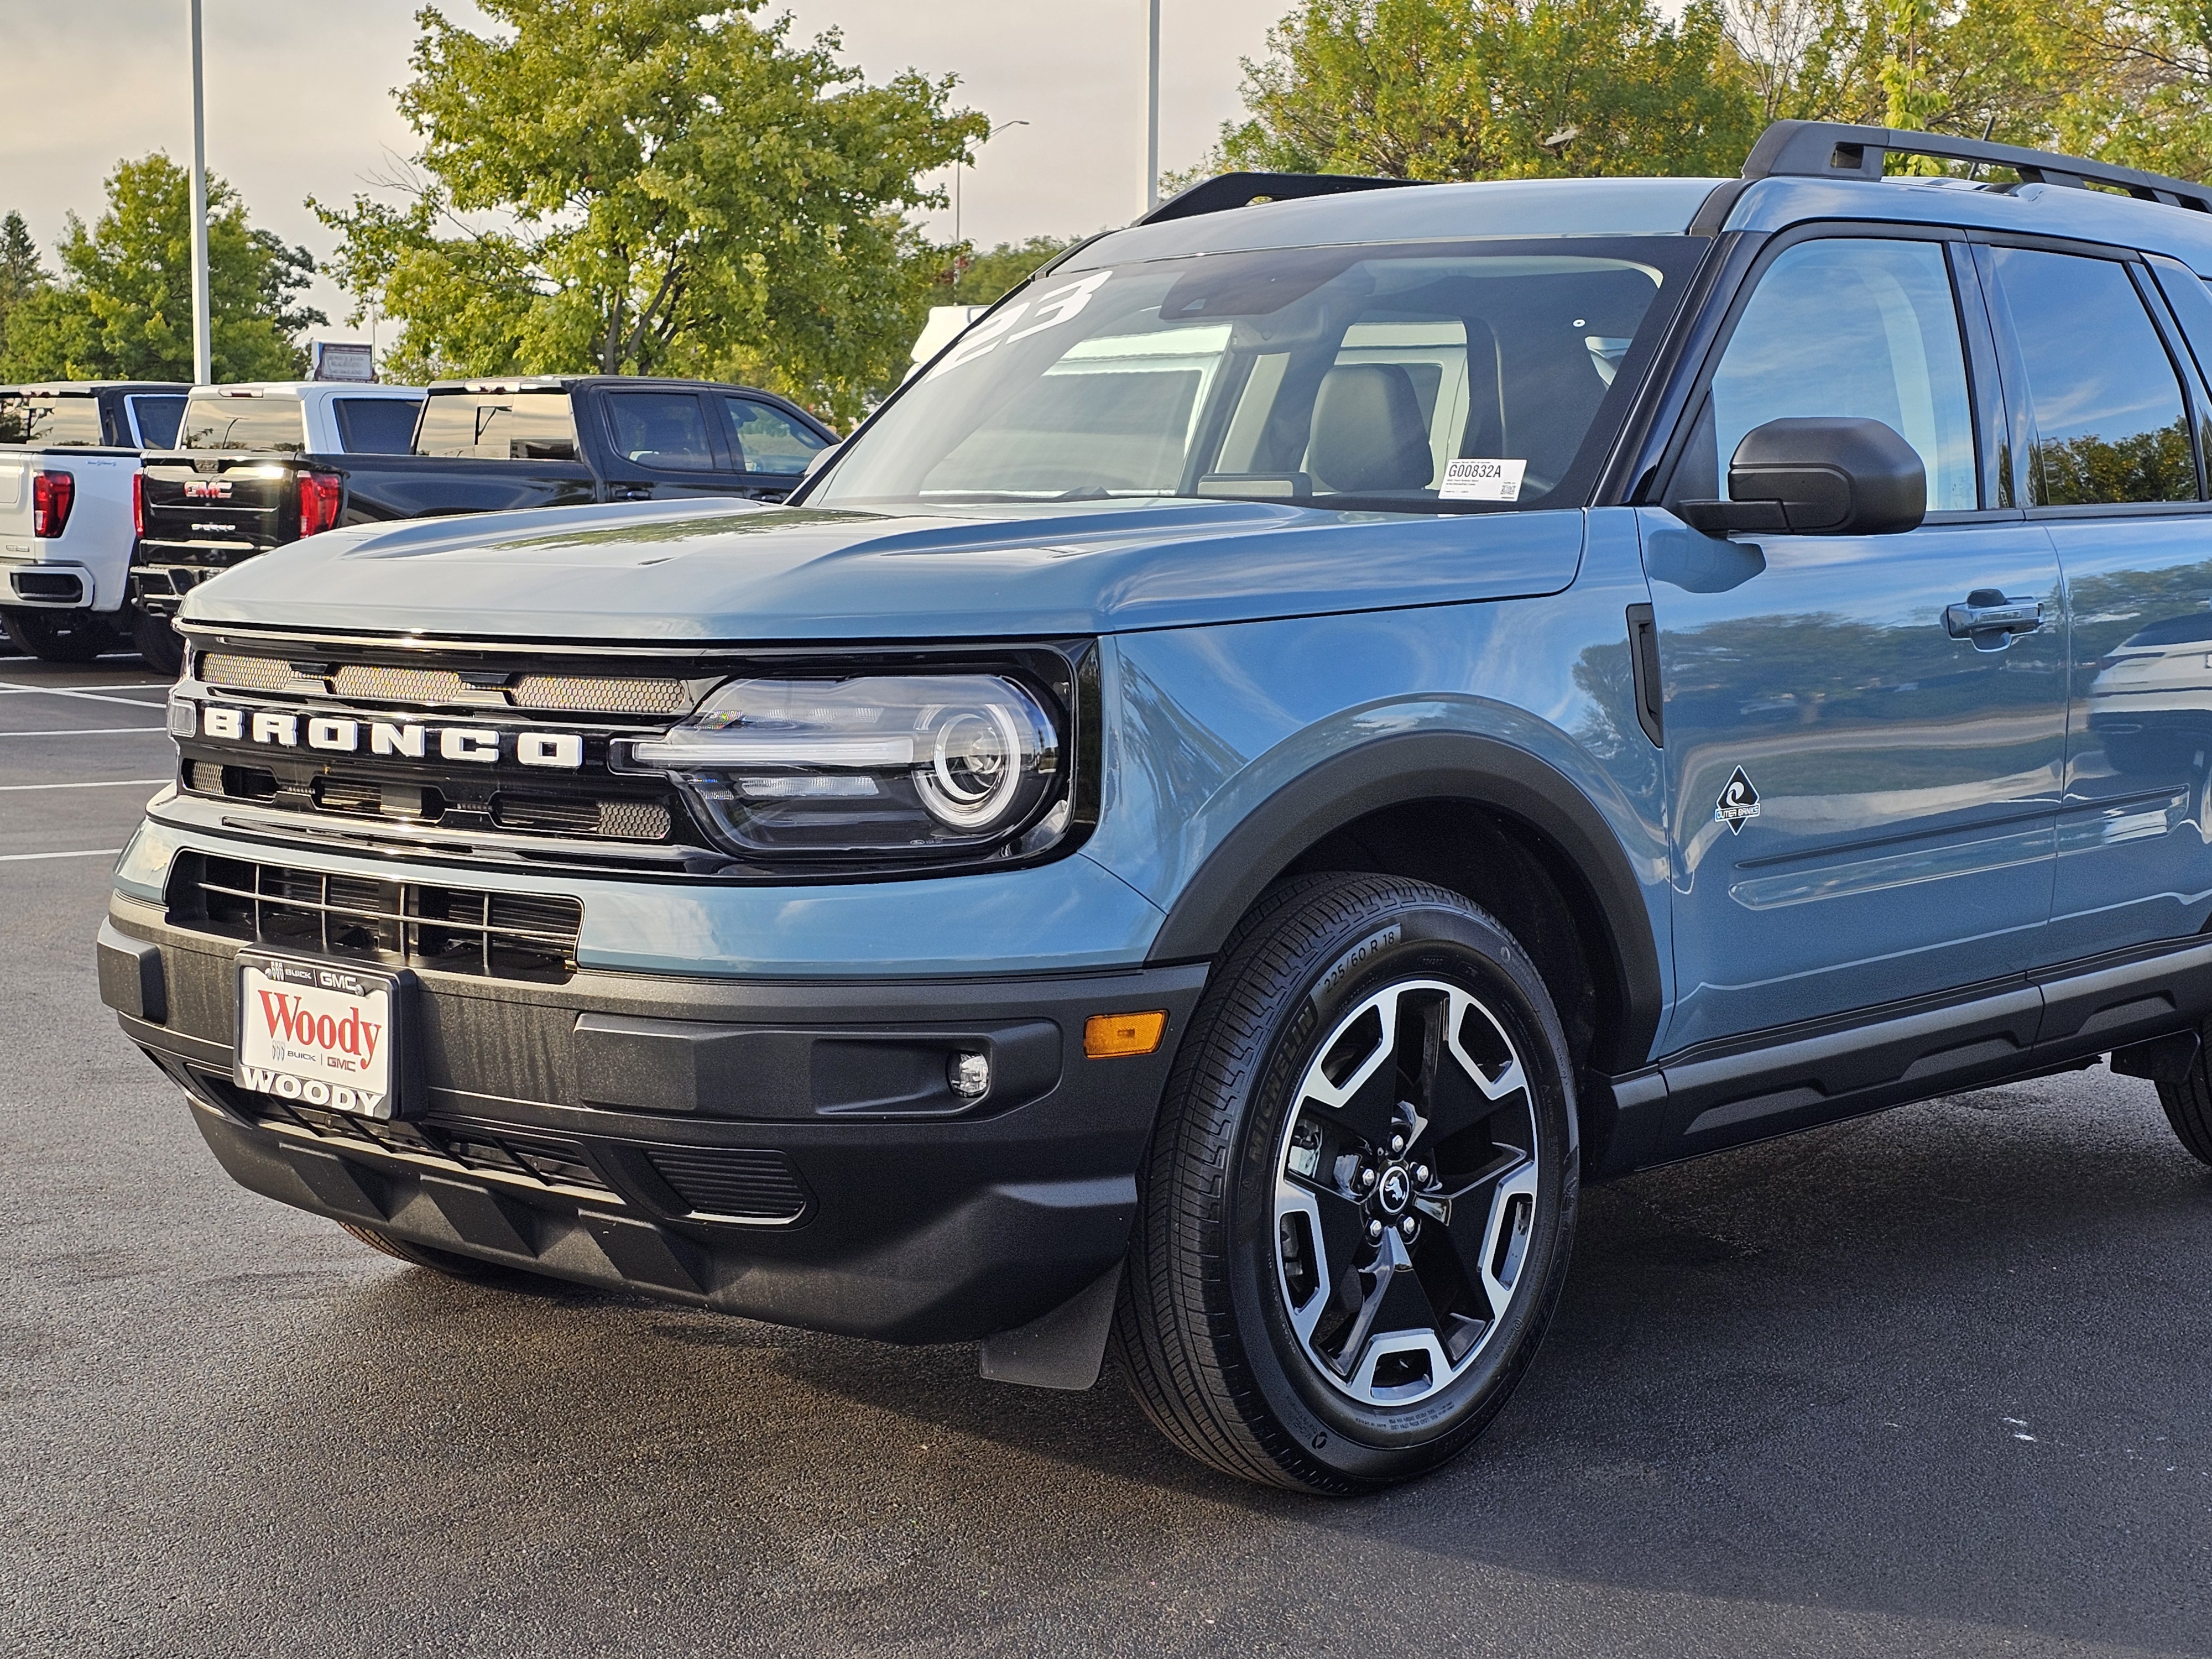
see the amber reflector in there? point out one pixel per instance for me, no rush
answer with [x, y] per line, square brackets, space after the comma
[1109, 1037]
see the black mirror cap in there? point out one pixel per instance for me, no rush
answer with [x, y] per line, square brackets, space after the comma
[1819, 476]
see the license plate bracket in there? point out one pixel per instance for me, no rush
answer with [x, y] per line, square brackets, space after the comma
[325, 1034]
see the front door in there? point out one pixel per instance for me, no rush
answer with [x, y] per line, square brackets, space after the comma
[663, 444]
[1863, 762]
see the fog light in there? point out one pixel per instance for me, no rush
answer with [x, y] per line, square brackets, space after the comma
[970, 1076]
[1112, 1036]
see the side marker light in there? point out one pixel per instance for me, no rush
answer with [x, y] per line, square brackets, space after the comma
[1115, 1036]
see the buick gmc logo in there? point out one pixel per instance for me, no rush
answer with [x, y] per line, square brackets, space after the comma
[207, 490]
[344, 734]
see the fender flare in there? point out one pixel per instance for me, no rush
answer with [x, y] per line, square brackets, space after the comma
[1454, 766]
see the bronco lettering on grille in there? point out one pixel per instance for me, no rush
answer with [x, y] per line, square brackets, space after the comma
[338, 734]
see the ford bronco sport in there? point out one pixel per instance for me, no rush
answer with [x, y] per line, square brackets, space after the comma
[1310, 730]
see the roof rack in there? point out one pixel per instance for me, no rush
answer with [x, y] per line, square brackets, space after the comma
[1830, 150]
[1237, 189]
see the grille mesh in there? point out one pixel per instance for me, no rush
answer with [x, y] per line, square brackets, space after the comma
[375, 683]
[521, 936]
[382, 683]
[254, 673]
[590, 694]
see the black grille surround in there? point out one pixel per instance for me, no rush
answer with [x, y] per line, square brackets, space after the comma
[387, 923]
[587, 817]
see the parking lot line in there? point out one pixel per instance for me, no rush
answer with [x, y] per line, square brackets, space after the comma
[81, 852]
[89, 696]
[101, 783]
[89, 731]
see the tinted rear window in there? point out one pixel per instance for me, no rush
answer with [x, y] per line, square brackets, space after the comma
[499, 426]
[376, 426]
[158, 418]
[266, 426]
[665, 429]
[57, 420]
[770, 441]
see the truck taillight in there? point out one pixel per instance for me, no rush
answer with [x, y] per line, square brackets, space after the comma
[53, 494]
[320, 494]
[138, 505]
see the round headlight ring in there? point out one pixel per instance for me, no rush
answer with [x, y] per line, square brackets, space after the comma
[971, 772]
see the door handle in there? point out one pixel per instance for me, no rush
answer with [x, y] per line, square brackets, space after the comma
[629, 492]
[1991, 620]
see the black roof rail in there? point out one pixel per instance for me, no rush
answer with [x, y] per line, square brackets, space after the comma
[1237, 189]
[1830, 150]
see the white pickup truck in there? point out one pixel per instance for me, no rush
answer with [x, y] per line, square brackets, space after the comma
[68, 456]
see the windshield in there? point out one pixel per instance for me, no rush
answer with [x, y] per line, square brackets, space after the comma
[1404, 377]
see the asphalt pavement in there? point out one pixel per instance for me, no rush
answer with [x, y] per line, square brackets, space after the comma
[1939, 1382]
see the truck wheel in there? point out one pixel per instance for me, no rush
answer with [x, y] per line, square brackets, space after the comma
[2189, 1108]
[1354, 1220]
[425, 1256]
[58, 635]
[159, 642]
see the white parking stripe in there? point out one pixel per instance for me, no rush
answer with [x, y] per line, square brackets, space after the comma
[89, 696]
[86, 852]
[89, 732]
[104, 783]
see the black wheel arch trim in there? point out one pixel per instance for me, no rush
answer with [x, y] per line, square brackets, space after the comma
[1454, 766]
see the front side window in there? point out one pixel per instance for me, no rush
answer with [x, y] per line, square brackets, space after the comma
[54, 422]
[664, 429]
[1418, 378]
[157, 416]
[1854, 327]
[499, 426]
[262, 426]
[2110, 424]
[769, 441]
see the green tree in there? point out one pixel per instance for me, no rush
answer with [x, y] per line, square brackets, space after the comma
[657, 186]
[978, 279]
[122, 308]
[22, 274]
[1494, 88]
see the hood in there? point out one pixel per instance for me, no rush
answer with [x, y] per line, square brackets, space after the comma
[679, 573]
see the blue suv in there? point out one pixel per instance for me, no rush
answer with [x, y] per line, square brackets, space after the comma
[1327, 719]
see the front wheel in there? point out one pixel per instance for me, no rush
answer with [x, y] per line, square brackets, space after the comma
[1356, 1215]
[58, 635]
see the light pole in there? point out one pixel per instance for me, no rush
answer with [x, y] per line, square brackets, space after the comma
[1151, 116]
[202, 322]
[958, 168]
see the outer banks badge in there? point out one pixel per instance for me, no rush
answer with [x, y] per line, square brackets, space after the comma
[1738, 801]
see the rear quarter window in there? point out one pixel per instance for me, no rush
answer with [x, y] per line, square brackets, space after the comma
[264, 426]
[376, 426]
[54, 422]
[499, 426]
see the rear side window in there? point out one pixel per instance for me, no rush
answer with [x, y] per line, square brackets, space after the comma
[157, 419]
[266, 426]
[1850, 326]
[499, 426]
[376, 426]
[2109, 423]
[56, 421]
[769, 441]
[665, 430]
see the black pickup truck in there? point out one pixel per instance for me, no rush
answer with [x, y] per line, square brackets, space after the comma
[480, 446]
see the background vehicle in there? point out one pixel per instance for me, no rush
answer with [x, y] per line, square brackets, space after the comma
[269, 421]
[480, 446]
[69, 460]
[1248, 781]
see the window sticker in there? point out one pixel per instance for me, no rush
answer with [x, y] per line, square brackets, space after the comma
[1047, 310]
[1482, 481]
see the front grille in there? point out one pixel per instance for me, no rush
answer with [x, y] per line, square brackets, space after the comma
[529, 1156]
[751, 1185]
[455, 930]
[610, 820]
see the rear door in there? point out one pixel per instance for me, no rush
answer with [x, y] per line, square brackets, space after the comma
[2110, 397]
[772, 446]
[1863, 803]
[662, 443]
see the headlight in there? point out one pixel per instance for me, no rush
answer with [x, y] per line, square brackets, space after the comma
[914, 766]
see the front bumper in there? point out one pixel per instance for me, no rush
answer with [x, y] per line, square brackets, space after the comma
[788, 1152]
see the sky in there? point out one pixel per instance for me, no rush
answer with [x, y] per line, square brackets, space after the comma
[298, 97]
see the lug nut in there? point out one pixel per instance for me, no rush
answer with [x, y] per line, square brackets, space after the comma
[1367, 1178]
[1397, 1143]
[1375, 1229]
[1409, 1226]
[1421, 1174]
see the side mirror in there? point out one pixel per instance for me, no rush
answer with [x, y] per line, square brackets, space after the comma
[1824, 476]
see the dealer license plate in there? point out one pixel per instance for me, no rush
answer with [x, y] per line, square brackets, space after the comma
[316, 1034]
